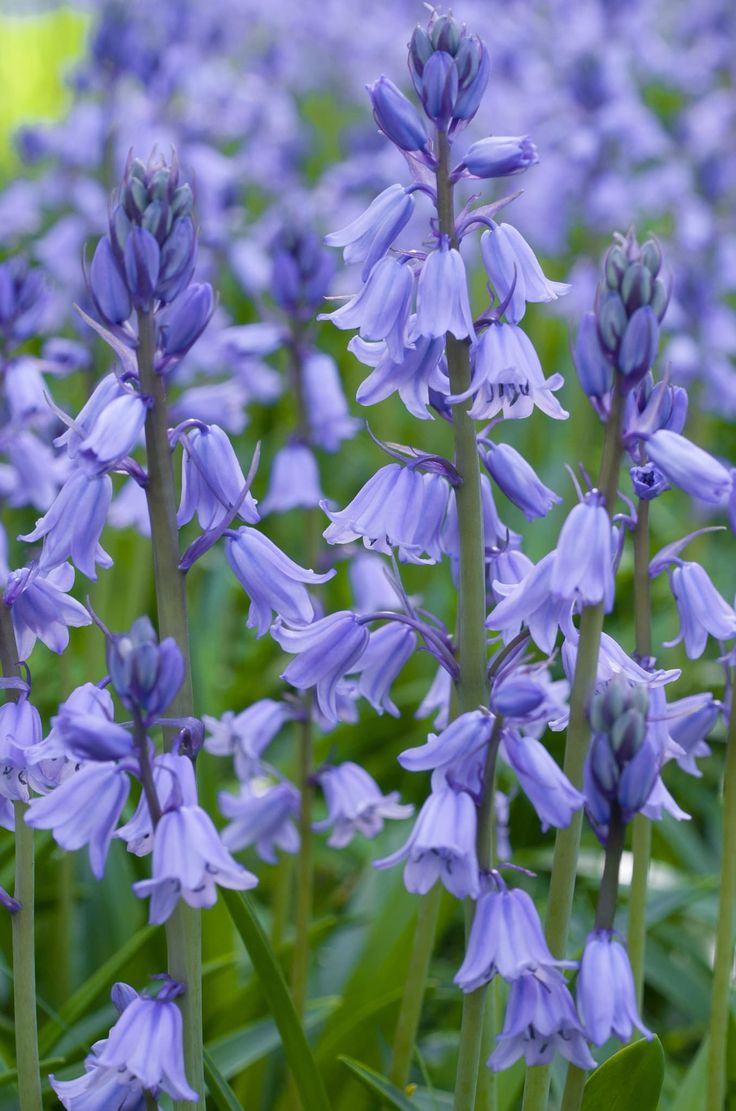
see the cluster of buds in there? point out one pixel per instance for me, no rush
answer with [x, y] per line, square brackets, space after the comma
[449, 68]
[22, 301]
[621, 336]
[146, 675]
[622, 764]
[302, 271]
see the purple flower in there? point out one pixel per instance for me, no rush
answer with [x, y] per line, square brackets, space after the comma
[294, 481]
[692, 719]
[500, 156]
[508, 377]
[418, 371]
[701, 608]
[531, 603]
[368, 237]
[247, 735]
[639, 345]
[72, 526]
[548, 789]
[389, 648]
[107, 286]
[396, 116]
[582, 568]
[441, 846]
[181, 324]
[327, 410]
[355, 804]
[540, 1021]
[174, 783]
[495, 532]
[212, 480]
[442, 296]
[271, 580]
[439, 88]
[42, 609]
[689, 467]
[114, 433]
[20, 737]
[142, 265]
[506, 938]
[189, 860]
[605, 991]
[468, 734]
[381, 309]
[512, 265]
[648, 482]
[146, 675]
[144, 1052]
[262, 814]
[519, 481]
[325, 652]
[84, 810]
[595, 370]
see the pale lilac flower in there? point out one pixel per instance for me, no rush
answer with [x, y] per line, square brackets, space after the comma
[500, 156]
[174, 783]
[605, 991]
[294, 481]
[547, 787]
[469, 733]
[20, 736]
[327, 410]
[512, 265]
[389, 648]
[72, 526]
[441, 846]
[690, 467]
[262, 814]
[146, 675]
[442, 296]
[419, 369]
[355, 804]
[495, 532]
[702, 610]
[582, 567]
[248, 734]
[530, 602]
[519, 481]
[42, 609]
[369, 236]
[325, 652]
[212, 480]
[381, 309]
[115, 432]
[540, 1021]
[508, 377]
[396, 116]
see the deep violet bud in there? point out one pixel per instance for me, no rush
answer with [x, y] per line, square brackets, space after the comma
[595, 371]
[441, 846]
[107, 285]
[439, 88]
[541, 1021]
[212, 481]
[42, 609]
[469, 59]
[146, 675]
[142, 260]
[262, 814]
[183, 323]
[701, 608]
[396, 116]
[72, 526]
[325, 652]
[688, 466]
[442, 296]
[355, 804]
[293, 482]
[515, 272]
[500, 156]
[582, 569]
[506, 938]
[272, 581]
[605, 992]
[638, 346]
[144, 1052]
[519, 481]
[381, 309]
[369, 236]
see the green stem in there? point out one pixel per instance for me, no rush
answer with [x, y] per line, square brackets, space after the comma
[304, 864]
[642, 827]
[723, 963]
[24, 934]
[416, 979]
[567, 841]
[184, 927]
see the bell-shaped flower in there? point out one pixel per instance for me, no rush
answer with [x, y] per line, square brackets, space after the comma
[530, 602]
[20, 739]
[396, 116]
[468, 734]
[506, 938]
[146, 675]
[381, 309]
[515, 272]
[417, 371]
[115, 432]
[605, 991]
[294, 481]
[262, 814]
[355, 804]
[174, 785]
[72, 526]
[246, 735]
[540, 1022]
[107, 390]
[594, 367]
[508, 377]
[325, 652]
[442, 295]
[688, 466]
[142, 262]
[84, 810]
[42, 609]
[368, 237]
[272, 581]
[582, 567]
[692, 719]
[519, 481]
[547, 787]
[212, 480]
[143, 1053]
[441, 846]
[107, 285]
[183, 322]
[500, 156]
[327, 410]
[85, 729]
[701, 608]
[389, 648]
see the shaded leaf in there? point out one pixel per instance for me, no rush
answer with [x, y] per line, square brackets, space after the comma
[631, 1078]
[379, 1085]
[218, 1088]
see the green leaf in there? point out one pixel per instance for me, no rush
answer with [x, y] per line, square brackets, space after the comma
[631, 1078]
[218, 1088]
[691, 1092]
[379, 1085]
[296, 1047]
[99, 982]
[234, 1052]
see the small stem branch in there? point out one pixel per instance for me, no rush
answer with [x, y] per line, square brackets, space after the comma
[183, 928]
[723, 963]
[23, 920]
[147, 782]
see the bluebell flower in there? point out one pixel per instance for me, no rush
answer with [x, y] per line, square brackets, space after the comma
[174, 784]
[84, 810]
[381, 309]
[452, 95]
[114, 433]
[327, 410]
[42, 609]
[419, 370]
[547, 787]
[701, 608]
[212, 480]
[367, 238]
[530, 602]
[508, 377]
[692, 719]
[146, 675]
[270, 579]
[442, 295]
[397, 508]
[107, 390]
[355, 804]
[325, 652]
[518, 480]
[527, 695]
[261, 814]
[469, 733]
[648, 482]
[301, 271]
[582, 568]
[72, 526]
[294, 480]
[23, 300]
[372, 584]
[142, 265]
[594, 367]
[540, 1022]
[396, 116]
[506, 938]
[512, 265]
[20, 737]
[686, 465]
[441, 846]
[86, 729]
[605, 991]
[389, 648]
[500, 156]
[86, 701]
[439, 88]
[638, 345]
[144, 1052]
[247, 735]
[182, 323]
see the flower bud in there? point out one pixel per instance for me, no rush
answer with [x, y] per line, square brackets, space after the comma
[636, 286]
[187, 319]
[106, 284]
[627, 734]
[660, 298]
[396, 116]
[145, 674]
[142, 261]
[595, 372]
[651, 256]
[500, 156]
[648, 482]
[639, 345]
[614, 266]
[445, 34]
[612, 321]
[439, 88]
